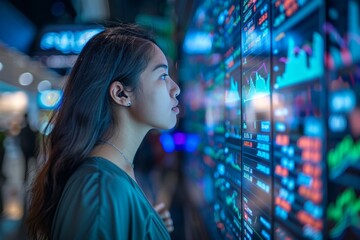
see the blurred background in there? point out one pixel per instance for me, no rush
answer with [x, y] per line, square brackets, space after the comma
[268, 140]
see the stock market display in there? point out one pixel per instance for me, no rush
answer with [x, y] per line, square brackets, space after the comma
[298, 50]
[272, 88]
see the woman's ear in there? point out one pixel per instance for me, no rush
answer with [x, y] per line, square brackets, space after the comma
[119, 94]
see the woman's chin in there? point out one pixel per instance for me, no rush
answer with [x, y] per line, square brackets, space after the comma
[168, 126]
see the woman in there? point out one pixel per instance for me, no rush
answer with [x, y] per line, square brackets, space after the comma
[118, 90]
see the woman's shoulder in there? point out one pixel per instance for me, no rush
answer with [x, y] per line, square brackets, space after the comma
[99, 171]
[95, 184]
[101, 166]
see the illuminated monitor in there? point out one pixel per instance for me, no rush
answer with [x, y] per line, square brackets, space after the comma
[59, 45]
[272, 89]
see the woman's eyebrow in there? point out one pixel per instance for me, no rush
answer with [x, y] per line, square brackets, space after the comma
[162, 65]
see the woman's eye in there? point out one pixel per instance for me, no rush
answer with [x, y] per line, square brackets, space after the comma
[163, 77]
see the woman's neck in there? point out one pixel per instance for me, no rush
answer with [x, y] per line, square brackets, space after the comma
[106, 151]
[121, 148]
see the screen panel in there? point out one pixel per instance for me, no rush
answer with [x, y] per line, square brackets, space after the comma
[299, 174]
[256, 122]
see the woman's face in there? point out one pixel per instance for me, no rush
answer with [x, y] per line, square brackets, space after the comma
[155, 103]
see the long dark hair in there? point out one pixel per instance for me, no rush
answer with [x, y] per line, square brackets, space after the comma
[119, 53]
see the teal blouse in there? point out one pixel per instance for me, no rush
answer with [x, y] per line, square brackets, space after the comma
[100, 201]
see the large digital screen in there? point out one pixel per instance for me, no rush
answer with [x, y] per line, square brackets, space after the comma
[274, 96]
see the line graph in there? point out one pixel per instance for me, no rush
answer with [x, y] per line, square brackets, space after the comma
[302, 63]
[257, 85]
[232, 203]
[344, 155]
[345, 213]
[232, 96]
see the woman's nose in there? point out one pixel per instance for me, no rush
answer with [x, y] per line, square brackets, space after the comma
[176, 90]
